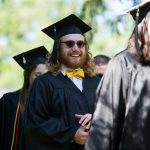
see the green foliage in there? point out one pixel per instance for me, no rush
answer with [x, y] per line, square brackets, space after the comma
[22, 21]
[106, 36]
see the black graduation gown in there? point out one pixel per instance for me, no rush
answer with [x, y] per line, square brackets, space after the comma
[50, 122]
[121, 120]
[8, 108]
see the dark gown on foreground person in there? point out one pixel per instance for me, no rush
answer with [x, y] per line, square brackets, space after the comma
[50, 122]
[122, 117]
[8, 108]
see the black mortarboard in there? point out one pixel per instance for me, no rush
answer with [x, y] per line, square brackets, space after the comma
[68, 25]
[34, 56]
[143, 7]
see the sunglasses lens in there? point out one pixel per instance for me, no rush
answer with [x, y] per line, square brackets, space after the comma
[80, 44]
[70, 43]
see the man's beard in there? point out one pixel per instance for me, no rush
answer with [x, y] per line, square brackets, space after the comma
[73, 64]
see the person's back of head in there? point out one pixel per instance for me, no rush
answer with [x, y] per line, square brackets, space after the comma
[101, 59]
[139, 40]
[101, 62]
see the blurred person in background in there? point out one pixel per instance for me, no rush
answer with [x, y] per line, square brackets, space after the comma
[12, 104]
[101, 62]
[121, 120]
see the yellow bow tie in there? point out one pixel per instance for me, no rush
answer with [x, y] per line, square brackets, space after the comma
[75, 73]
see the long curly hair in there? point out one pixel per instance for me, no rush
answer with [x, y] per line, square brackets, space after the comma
[143, 39]
[54, 67]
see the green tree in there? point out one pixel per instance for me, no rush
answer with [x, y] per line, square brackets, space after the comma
[22, 21]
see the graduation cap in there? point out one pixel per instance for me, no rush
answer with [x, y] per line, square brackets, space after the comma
[142, 8]
[34, 56]
[68, 25]
[138, 13]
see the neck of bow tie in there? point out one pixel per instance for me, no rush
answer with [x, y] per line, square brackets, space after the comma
[75, 73]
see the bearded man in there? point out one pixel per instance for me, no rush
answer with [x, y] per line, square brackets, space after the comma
[61, 102]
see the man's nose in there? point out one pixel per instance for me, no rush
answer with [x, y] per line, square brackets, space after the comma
[75, 47]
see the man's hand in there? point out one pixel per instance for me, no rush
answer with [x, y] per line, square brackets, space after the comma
[84, 120]
[81, 135]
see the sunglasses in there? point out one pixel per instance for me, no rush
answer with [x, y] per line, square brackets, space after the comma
[71, 43]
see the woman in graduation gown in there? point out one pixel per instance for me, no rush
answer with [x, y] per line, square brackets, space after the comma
[61, 103]
[121, 120]
[12, 104]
